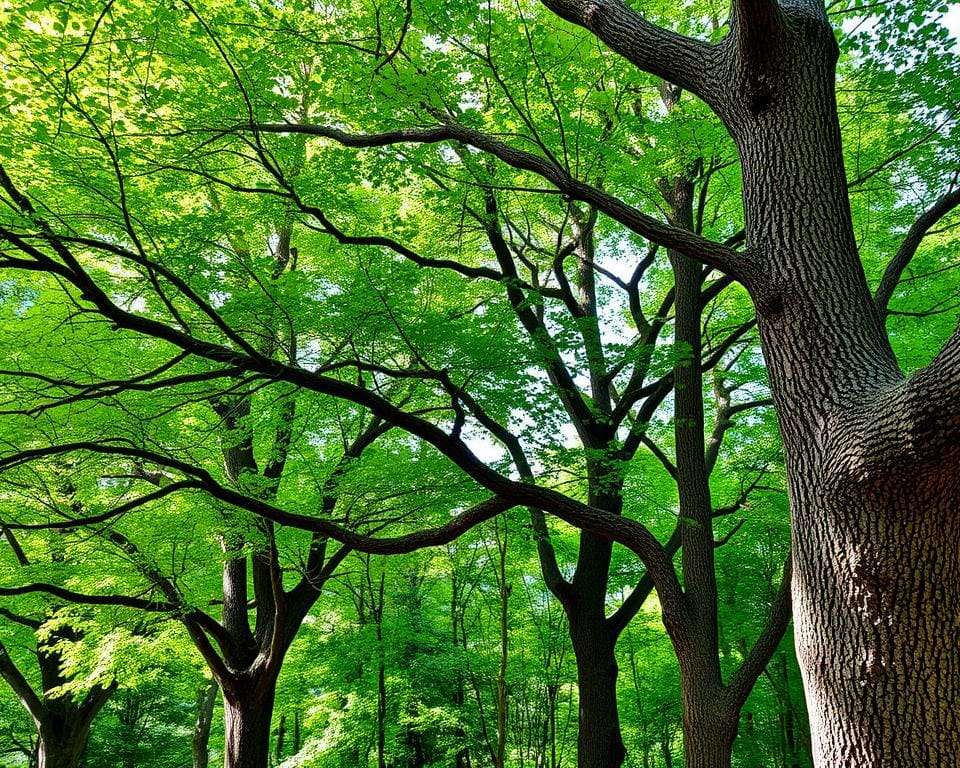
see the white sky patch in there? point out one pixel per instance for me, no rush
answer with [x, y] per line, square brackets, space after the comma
[951, 21]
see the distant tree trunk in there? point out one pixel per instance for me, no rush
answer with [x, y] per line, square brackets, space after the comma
[281, 734]
[381, 713]
[786, 716]
[504, 645]
[667, 755]
[206, 699]
[462, 759]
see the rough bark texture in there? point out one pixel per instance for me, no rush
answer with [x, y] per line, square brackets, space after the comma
[876, 539]
[248, 709]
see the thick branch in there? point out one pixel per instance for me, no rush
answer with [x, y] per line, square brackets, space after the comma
[680, 60]
[15, 679]
[912, 429]
[629, 608]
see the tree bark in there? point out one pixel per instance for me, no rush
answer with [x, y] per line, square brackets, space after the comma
[707, 747]
[876, 538]
[599, 742]
[62, 750]
[248, 709]
[200, 744]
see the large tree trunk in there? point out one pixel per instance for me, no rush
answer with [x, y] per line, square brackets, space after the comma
[874, 500]
[599, 743]
[878, 596]
[248, 710]
[62, 750]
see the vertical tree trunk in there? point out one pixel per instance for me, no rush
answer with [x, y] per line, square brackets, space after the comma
[879, 595]
[281, 734]
[599, 742]
[667, 754]
[709, 717]
[247, 714]
[381, 711]
[787, 714]
[876, 587]
[64, 750]
[200, 745]
[708, 730]
[504, 646]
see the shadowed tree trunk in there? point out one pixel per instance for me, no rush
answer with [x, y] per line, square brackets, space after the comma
[248, 710]
[200, 744]
[63, 724]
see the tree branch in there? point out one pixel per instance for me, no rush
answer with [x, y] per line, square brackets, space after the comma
[680, 60]
[908, 248]
[743, 680]
[719, 256]
[911, 429]
[18, 683]
[69, 595]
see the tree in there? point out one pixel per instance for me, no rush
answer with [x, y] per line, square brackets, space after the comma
[61, 707]
[866, 448]
[611, 427]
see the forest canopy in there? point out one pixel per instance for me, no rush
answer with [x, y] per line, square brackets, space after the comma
[423, 383]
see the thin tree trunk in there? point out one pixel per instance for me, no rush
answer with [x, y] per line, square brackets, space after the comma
[381, 715]
[504, 647]
[667, 755]
[206, 699]
[377, 610]
[281, 734]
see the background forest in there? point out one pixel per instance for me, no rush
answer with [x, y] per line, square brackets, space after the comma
[289, 289]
